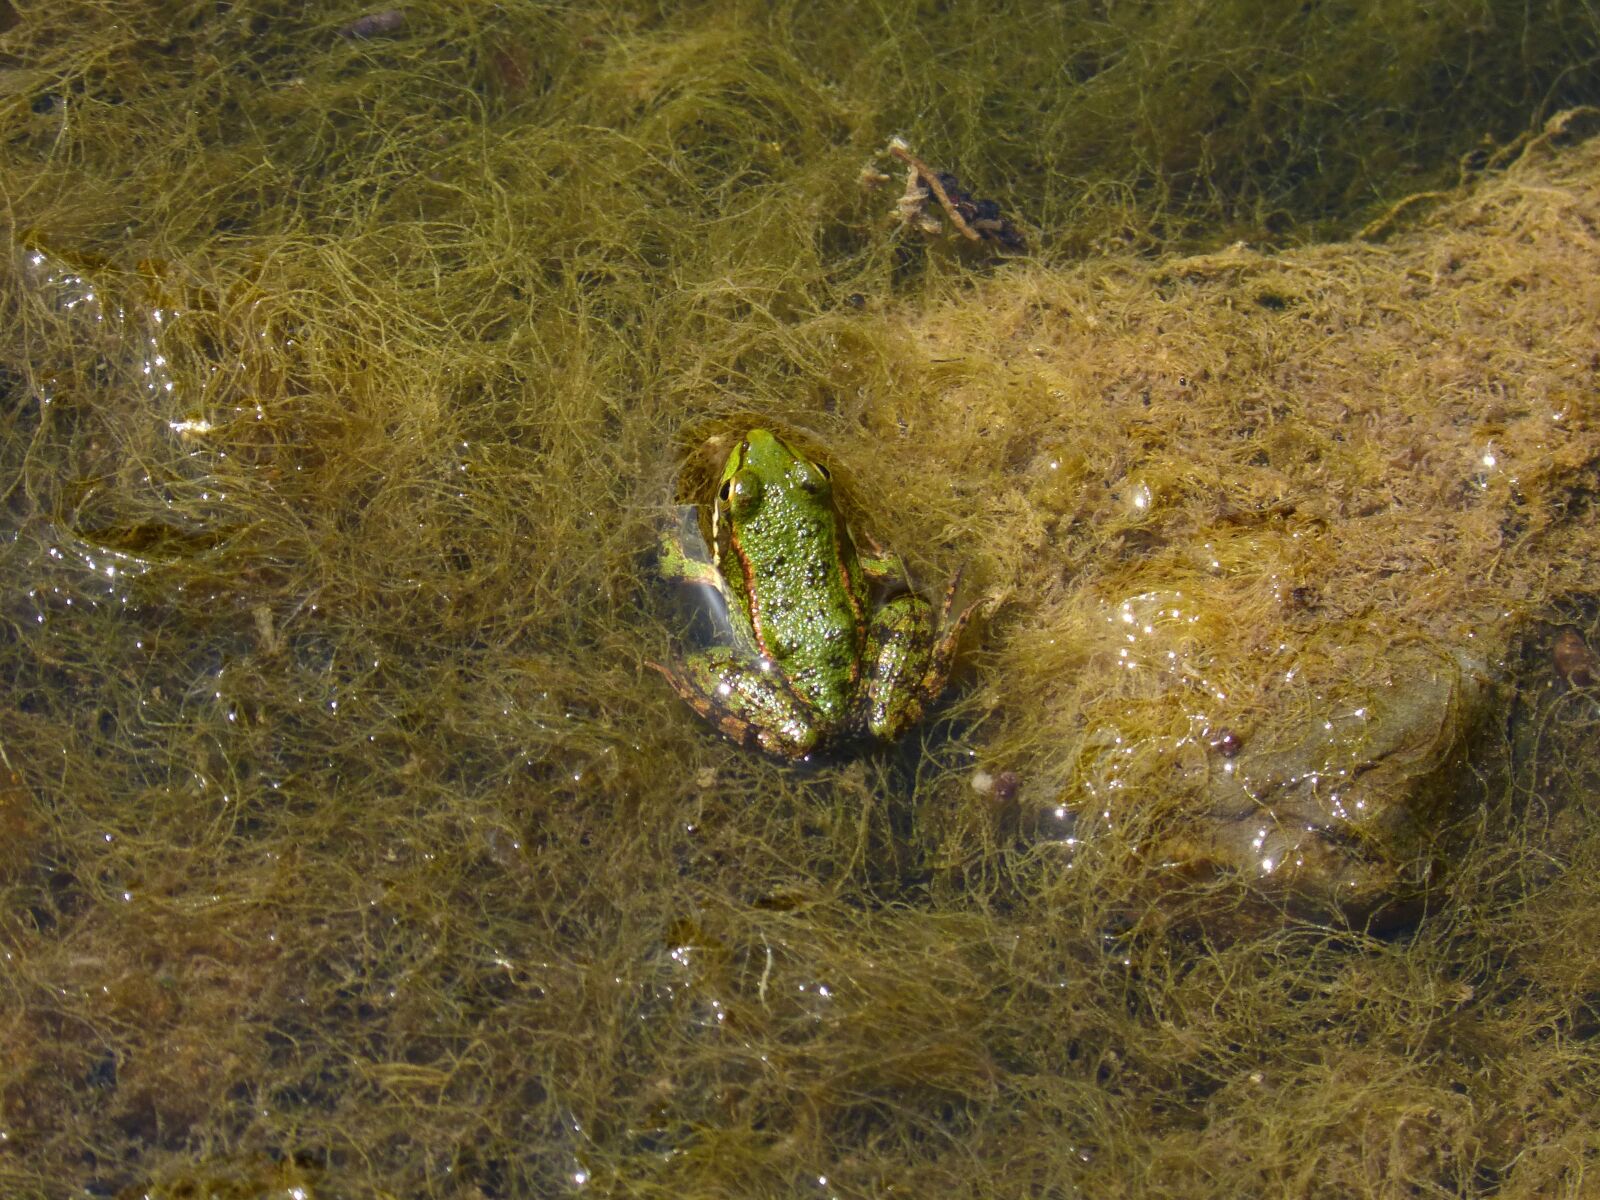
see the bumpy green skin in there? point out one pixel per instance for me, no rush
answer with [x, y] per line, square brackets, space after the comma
[806, 659]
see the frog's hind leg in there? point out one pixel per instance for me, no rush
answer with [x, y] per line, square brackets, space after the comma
[910, 665]
[897, 643]
[748, 705]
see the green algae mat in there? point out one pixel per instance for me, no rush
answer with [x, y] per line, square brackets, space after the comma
[353, 363]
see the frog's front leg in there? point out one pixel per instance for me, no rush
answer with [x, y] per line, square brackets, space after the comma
[884, 571]
[749, 703]
[681, 552]
[682, 557]
[909, 665]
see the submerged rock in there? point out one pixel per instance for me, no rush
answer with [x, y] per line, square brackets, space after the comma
[1271, 528]
[1348, 811]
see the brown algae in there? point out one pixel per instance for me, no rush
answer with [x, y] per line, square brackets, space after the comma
[346, 849]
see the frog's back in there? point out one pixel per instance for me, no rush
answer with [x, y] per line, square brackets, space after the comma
[807, 597]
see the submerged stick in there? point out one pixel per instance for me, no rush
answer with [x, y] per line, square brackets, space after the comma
[930, 178]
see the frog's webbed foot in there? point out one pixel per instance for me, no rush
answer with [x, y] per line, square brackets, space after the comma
[943, 655]
[749, 705]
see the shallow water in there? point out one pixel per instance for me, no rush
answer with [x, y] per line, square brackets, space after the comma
[347, 846]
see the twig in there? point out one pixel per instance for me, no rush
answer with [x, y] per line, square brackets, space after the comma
[929, 177]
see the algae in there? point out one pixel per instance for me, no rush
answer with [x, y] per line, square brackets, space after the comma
[348, 850]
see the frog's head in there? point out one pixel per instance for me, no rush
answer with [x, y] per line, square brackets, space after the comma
[763, 464]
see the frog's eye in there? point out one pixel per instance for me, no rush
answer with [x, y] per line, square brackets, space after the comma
[741, 491]
[812, 477]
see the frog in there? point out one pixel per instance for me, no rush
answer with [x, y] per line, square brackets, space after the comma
[818, 642]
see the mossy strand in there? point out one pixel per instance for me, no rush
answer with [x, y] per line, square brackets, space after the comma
[347, 847]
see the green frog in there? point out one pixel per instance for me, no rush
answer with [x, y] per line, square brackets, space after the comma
[817, 642]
